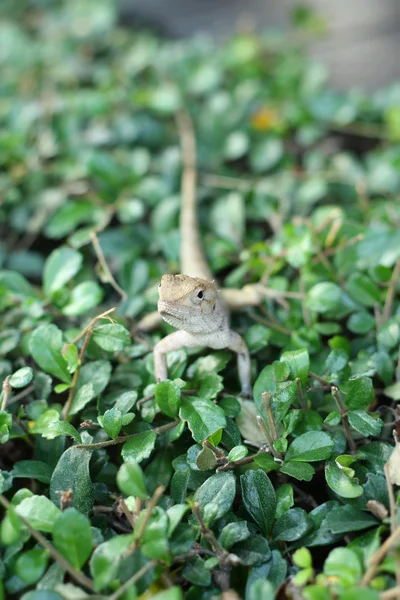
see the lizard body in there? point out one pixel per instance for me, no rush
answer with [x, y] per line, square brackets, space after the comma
[191, 301]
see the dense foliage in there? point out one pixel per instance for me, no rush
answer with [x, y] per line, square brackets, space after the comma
[115, 486]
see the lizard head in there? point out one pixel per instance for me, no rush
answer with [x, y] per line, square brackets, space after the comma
[190, 303]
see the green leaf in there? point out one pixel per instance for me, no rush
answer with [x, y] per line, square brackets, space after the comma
[232, 533]
[340, 483]
[111, 337]
[195, 571]
[34, 469]
[298, 362]
[361, 322]
[363, 290]
[56, 428]
[46, 350]
[73, 537]
[345, 519]
[292, 525]
[309, 447]
[140, 446]
[216, 495]
[261, 590]
[259, 498]
[112, 422]
[31, 565]
[359, 393]
[61, 266]
[5, 426]
[168, 397]
[302, 558]
[131, 481]
[266, 462]
[364, 423]
[106, 560]
[72, 475]
[203, 417]
[21, 378]
[40, 512]
[84, 297]
[343, 564]
[300, 471]
[174, 593]
[252, 551]
[324, 297]
[284, 499]
[237, 453]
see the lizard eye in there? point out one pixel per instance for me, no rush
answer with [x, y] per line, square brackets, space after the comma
[200, 294]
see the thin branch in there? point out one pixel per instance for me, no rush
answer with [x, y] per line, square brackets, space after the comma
[300, 394]
[270, 324]
[21, 395]
[87, 333]
[125, 438]
[393, 519]
[72, 389]
[207, 533]
[108, 276]
[7, 389]
[54, 553]
[379, 555]
[91, 323]
[387, 310]
[343, 413]
[151, 504]
[268, 437]
[320, 379]
[130, 582]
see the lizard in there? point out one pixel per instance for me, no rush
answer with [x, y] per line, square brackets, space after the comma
[191, 301]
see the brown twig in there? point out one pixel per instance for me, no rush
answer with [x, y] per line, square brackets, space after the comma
[54, 553]
[7, 389]
[91, 323]
[270, 324]
[125, 438]
[108, 276]
[87, 332]
[151, 504]
[343, 414]
[320, 379]
[300, 394]
[379, 555]
[264, 429]
[387, 310]
[21, 395]
[130, 582]
[207, 533]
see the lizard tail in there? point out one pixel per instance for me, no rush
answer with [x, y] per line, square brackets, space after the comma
[192, 258]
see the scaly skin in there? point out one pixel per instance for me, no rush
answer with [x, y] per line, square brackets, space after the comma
[191, 302]
[194, 306]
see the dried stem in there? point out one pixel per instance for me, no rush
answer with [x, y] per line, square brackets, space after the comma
[108, 276]
[54, 553]
[343, 413]
[91, 324]
[125, 438]
[262, 426]
[86, 333]
[321, 380]
[379, 555]
[151, 504]
[21, 395]
[207, 533]
[300, 394]
[7, 389]
[387, 310]
[130, 582]
[267, 396]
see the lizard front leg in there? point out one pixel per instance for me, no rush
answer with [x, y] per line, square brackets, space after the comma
[174, 341]
[238, 345]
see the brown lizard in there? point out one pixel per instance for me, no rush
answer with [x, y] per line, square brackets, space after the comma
[191, 302]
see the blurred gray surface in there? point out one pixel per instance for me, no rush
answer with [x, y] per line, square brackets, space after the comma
[361, 48]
